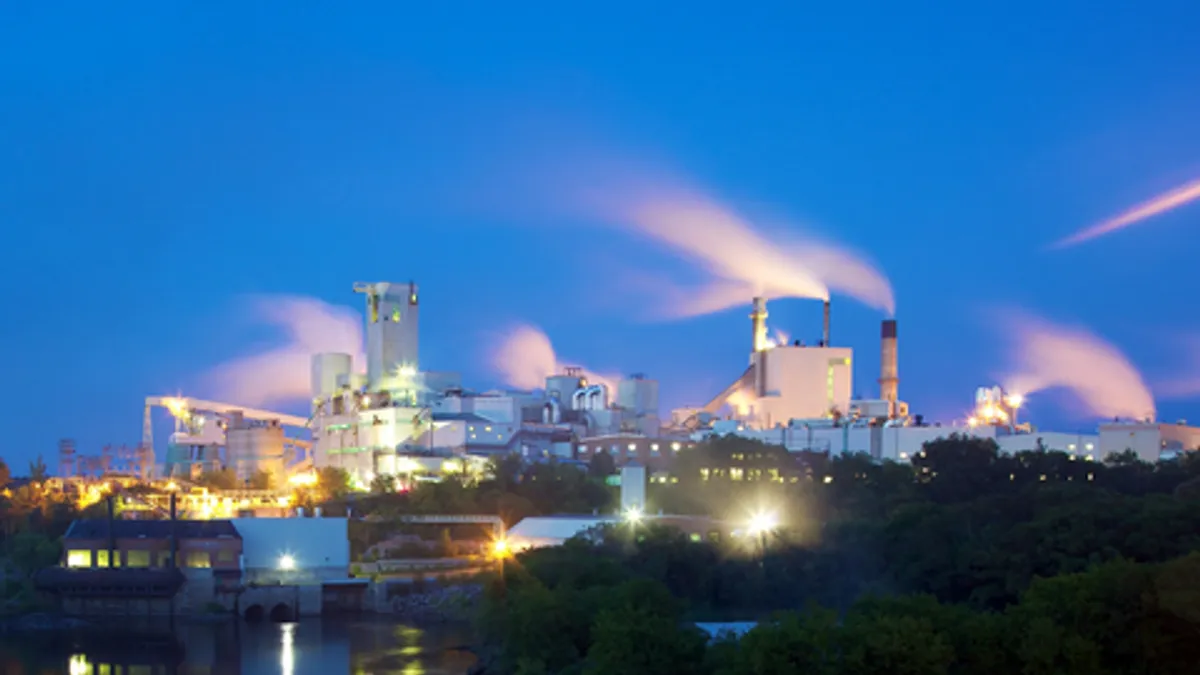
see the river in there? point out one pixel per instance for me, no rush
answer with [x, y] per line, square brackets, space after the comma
[309, 647]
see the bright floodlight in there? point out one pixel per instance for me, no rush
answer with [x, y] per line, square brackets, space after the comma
[633, 514]
[1015, 400]
[761, 523]
[287, 562]
[500, 548]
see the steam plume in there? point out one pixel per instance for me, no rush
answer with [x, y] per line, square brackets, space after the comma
[1162, 203]
[744, 262]
[278, 375]
[526, 358]
[1048, 356]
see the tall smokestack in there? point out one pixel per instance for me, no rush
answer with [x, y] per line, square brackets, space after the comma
[758, 322]
[825, 329]
[889, 379]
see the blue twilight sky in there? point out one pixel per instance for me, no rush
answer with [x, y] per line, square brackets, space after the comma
[161, 161]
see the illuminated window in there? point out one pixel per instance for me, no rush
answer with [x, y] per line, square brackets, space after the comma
[102, 559]
[1088, 446]
[198, 559]
[654, 448]
[488, 429]
[736, 473]
[79, 558]
[225, 556]
[675, 447]
[137, 558]
[632, 447]
[164, 559]
[396, 315]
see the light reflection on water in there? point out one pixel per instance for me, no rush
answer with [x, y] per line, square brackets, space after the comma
[317, 647]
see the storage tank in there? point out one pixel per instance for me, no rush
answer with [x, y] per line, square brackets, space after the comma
[328, 369]
[253, 448]
[638, 394]
[562, 387]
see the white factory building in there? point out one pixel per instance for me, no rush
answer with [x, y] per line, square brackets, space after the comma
[387, 421]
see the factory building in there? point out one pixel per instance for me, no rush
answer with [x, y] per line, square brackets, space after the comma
[1149, 440]
[902, 443]
[786, 383]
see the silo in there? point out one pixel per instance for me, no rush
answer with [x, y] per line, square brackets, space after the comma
[562, 387]
[638, 394]
[251, 448]
[328, 369]
[633, 487]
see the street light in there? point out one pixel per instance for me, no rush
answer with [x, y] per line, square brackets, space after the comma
[761, 524]
[287, 563]
[633, 515]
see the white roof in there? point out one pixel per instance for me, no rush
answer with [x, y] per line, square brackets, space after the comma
[558, 528]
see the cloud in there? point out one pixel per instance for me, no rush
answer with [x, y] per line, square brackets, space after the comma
[742, 261]
[1046, 356]
[1160, 204]
[526, 357]
[282, 374]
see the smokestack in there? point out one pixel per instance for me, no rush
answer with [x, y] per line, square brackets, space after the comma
[889, 379]
[825, 331]
[758, 322]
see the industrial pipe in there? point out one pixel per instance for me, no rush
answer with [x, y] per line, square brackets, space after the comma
[825, 330]
[889, 376]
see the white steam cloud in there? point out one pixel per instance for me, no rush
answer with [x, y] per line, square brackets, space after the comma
[1049, 356]
[526, 357]
[1167, 201]
[744, 262]
[282, 374]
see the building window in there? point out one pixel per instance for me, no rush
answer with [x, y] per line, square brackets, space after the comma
[198, 559]
[675, 447]
[79, 558]
[164, 559]
[137, 558]
[102, 558]
[654, 448]
[225, 556]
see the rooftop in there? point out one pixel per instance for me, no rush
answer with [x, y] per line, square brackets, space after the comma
[97, 528]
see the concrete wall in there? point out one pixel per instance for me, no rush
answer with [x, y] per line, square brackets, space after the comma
[319, 548]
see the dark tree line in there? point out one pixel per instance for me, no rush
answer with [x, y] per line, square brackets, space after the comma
[966, 561]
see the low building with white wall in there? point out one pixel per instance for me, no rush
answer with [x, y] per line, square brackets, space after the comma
[1148, 440]
[901, 443]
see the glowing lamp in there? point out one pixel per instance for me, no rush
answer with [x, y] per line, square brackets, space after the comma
[761, 523]
[287, 563]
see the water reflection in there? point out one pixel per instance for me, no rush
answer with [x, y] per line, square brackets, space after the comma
[316, 647]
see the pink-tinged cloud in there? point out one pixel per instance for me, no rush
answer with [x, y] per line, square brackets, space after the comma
[1048, 356]
[282, 374]
[1160, 204]
[743, 262]
[526, 357]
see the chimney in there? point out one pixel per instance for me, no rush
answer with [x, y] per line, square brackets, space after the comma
[758, 322]
[825, 330]
[889, 379]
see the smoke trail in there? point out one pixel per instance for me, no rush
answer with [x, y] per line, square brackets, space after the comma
[526, 357]
[1047, 356]
[282, 374]
[746, 262]
[1164, 202]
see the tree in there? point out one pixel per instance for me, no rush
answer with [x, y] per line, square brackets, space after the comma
[602, 465]
[644, 613]
[221, 479]
[383, 484]
[37, 470]
[332, 483]
[262, 480]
